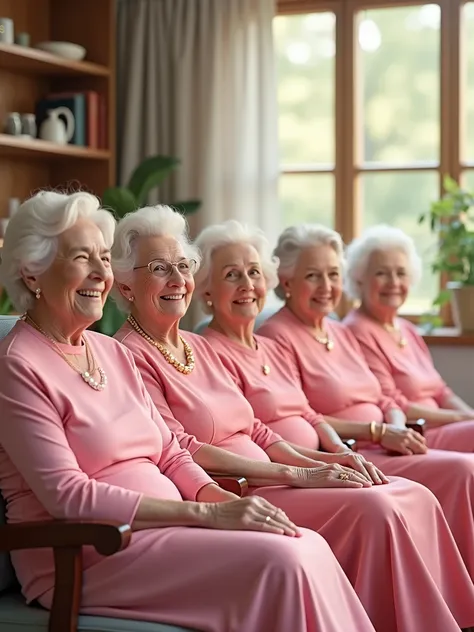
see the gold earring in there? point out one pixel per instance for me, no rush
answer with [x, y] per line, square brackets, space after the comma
[209, 303]
[38, 292]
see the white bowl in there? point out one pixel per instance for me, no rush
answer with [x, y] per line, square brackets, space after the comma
[68, 50]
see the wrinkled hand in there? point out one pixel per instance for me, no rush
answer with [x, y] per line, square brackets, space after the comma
[250, 514]
[328, 476]
[360, 464]
[404, 441]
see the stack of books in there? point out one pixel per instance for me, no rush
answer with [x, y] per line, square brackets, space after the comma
[90, 115]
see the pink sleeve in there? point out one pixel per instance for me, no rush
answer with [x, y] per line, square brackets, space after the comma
[154, 388]
[263, 436]
[176, 463]
[443, 391]
[313, 417]
[32, 435]
[392, 397]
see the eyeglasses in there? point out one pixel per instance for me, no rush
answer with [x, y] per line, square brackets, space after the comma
[163, 269]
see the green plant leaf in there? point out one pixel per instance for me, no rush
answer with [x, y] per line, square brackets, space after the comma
[188, 207]
[450, 185]
[6, 306]
[443, 297]
[150, 174]
[119, 200]
[112, 319]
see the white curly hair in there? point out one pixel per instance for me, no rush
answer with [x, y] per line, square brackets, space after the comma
[376, 238]
[226, 234]
[31, 240]
[294, 239]
[149, 221]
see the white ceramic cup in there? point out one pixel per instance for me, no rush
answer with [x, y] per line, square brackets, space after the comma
[7, 35]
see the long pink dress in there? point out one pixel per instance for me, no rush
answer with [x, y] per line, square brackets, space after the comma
[408, 376]
[68, 451]
[377, 534]
[339, 384]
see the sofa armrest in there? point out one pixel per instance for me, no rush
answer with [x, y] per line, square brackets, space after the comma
[66, 538]
[236, 484]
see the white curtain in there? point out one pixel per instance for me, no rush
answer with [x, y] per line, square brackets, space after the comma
[196, 80]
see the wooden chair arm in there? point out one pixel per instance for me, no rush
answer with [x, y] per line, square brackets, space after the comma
[236, 484]
[106, 538]
[66, 538]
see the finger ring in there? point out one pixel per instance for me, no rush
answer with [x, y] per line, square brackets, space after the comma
[344, 476]
[267, 519]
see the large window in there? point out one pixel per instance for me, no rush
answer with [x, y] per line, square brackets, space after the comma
[376, 104]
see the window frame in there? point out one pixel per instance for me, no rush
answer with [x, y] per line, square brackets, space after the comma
[347, 130]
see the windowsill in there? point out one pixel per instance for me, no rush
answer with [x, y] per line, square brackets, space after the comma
[449, 336]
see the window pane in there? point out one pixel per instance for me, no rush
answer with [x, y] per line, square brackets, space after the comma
[307, 198]
[468, 22]
[398, 199]
[399, 52]
[305, 48]
[467, 180]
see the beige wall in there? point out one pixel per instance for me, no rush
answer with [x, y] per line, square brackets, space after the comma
[456, 366]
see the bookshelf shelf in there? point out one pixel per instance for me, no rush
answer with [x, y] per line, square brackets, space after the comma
[32, 61]
[15, 146]
[30, 78]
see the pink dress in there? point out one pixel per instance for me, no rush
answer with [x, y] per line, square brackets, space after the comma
[375, 533]
[68, 451]
[408, 376]
[340, 384]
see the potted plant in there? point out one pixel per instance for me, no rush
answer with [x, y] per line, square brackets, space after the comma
[452, 218]
[121, 200]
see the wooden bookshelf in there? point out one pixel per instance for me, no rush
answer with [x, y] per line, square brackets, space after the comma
[29, 74]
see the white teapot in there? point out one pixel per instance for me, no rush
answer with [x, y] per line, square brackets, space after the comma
[54, 129]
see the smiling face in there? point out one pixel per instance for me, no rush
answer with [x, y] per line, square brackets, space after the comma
[159, 299]
[237, 287]
[316, 286]
[75, 286]
[387, 282]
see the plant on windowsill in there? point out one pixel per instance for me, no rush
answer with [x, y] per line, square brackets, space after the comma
[452, 219]
[121, 200]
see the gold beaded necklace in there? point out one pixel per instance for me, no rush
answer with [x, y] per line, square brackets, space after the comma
[88, 375]
[169, 357]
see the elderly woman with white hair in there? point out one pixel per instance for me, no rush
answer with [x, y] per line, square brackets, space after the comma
[382, 265]
[153, 262]
[339, 384]
[80, 439]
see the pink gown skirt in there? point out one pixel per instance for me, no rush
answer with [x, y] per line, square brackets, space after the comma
[395, 546]
[225, 581]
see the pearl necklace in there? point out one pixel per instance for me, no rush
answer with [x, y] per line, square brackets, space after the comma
[87, 376]
[169, 357]
[402, 342]
[326, 341]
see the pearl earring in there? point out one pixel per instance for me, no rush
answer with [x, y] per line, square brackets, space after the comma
[131, 298]
[209, 303]
[38, 292]
[287, 295]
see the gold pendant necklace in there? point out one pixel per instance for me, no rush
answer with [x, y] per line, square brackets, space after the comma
[87, 376]
[265, 367]
[169, 357]
[402, 342]
[326, 341]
